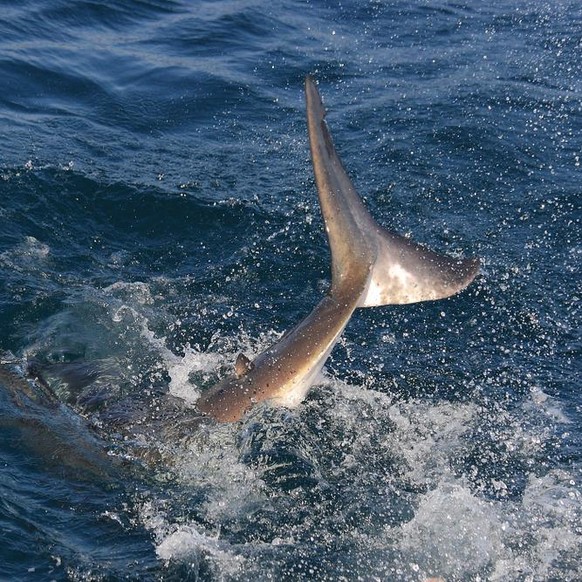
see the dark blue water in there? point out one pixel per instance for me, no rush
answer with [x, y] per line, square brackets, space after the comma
[158, 215]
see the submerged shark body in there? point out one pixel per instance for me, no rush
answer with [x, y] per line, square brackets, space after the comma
[371, 266]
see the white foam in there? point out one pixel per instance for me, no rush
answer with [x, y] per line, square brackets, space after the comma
[428, 435]
[187, 543]
[27, 255]
[453, 533]
[181, 367]
[541, 534]
[544, 403]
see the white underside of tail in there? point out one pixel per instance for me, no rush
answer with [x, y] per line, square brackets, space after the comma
[294, 394]
[376, 293]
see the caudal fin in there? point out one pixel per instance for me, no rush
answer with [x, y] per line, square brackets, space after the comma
[406, 272]
[389, 268]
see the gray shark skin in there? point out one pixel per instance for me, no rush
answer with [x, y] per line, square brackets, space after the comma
[370, 266]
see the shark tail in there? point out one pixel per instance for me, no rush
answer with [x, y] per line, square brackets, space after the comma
[390, 268]
[407, 272]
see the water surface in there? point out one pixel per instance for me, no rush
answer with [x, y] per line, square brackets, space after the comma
[158, 215]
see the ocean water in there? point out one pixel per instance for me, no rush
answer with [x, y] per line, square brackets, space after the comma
[158, 215]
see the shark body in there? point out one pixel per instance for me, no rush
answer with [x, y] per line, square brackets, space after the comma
[370, 265]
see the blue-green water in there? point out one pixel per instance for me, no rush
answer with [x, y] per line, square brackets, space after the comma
[158, 215]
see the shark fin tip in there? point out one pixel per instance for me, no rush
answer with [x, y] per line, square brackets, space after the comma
[242, 365]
